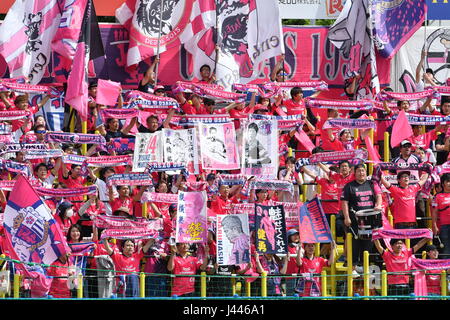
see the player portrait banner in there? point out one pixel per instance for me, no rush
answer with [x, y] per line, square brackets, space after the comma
[148, 148]
[233, 239]
[218, 146]
[260, 149]
[191, 217]
[314, 226]
[270, 229]
[180, 146]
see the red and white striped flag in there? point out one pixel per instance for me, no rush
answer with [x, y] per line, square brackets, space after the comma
[180, 21]
[25, 37]
[247, 32]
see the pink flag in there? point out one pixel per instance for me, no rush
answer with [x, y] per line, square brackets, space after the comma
[401, 129]
[303, 138]
[77, 87]
[373, 153]
[107, 92]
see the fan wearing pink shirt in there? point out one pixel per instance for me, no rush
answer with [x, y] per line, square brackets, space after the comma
[398, 264]
[183, 264]
[404, 206]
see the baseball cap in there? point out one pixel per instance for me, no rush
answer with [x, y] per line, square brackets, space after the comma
[402, 173]
[93, 85]
[291, 232]
[405, 142]
[158, 87]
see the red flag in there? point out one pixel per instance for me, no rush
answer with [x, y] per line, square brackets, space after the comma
[401, 130]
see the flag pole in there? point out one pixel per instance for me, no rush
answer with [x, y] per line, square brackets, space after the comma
[216, 60]
[425, 38]
[161, 5]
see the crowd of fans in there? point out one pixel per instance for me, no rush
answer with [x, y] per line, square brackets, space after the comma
[342, 186]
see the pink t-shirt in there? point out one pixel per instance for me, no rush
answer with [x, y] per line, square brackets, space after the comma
[404, 206]
[184, 266]
[442, 202]
[400, 263]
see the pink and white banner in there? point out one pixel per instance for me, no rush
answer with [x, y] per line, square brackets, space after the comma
[402, 234]
[26, 35]
[233, 239]
[181, 146]
[148, 148]
[159, 197]
[124, 228]
[191, 217]
[260, 149]
[14, 115]
[339, 156]
[218, 146]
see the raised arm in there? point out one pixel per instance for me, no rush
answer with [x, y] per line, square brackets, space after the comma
[380, 249]
[420, 244]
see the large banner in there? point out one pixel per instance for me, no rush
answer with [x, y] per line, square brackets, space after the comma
[309, 57]
[434, 40]
[313, 223]
[148, 149]
[191, 217]
[260, 149]
[270, 229]
[180, 146]
[233, 239]
[218, 146]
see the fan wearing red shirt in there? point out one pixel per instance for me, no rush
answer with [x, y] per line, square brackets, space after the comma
[440, 213]
[21, 103]
[124, 199]
[296, 104]
[404, 206]
[184, 264]
[127, 264]
[72, 179]
[397, 261]
[194, 106]
[310, 265]
[433, 277]
[60, 270]
[424, 140]
[219, 204]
